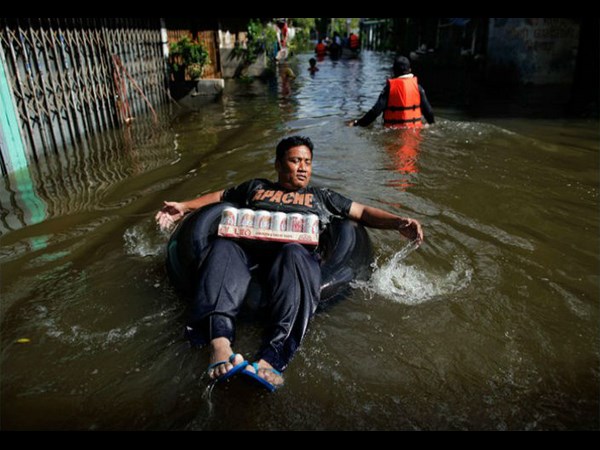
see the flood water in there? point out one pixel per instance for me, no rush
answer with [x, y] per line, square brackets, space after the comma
[493, 323]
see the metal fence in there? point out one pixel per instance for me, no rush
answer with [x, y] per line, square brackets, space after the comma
[70, 78]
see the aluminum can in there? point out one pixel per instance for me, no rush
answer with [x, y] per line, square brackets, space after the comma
[229, 216]
[278, 221]
[245, 218]
[311, 224]
[262, 220]
[295, 222]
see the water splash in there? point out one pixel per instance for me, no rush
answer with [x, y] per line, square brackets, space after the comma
[143, 240]
[410, 285]
[207, 396]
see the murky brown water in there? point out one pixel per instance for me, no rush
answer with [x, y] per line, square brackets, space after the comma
[492, 324]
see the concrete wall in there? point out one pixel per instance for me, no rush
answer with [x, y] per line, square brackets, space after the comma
[535, 51]
[232, 67]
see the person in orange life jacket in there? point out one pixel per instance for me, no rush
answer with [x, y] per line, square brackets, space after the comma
[291, 271]
[353, 42]
[320, 48]
[402, 101]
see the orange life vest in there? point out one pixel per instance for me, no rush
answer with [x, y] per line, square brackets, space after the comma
[354, 41]
[320, 49]
[404, 104]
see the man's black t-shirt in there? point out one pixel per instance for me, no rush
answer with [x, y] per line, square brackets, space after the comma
[264, 194]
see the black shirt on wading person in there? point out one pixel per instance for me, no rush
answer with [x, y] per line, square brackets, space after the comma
[264, 194]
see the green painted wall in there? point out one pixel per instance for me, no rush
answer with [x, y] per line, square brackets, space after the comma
[10, 136]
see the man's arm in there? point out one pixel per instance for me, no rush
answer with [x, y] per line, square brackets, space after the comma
[375, 111]
[426, 109]
[378, 218]
[173, 211]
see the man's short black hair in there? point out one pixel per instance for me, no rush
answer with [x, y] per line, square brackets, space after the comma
[401, 66]
[293, 141]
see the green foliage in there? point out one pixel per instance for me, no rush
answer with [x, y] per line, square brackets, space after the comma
[301, 41]
[245, 79]
[195, 70]
[341, 25]
[261, 38]
[304, 23]
[189, 55]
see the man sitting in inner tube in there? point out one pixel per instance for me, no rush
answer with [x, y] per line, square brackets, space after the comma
[292, 270]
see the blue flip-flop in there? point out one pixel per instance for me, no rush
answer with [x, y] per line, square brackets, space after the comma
[232, 372]
[264, 383]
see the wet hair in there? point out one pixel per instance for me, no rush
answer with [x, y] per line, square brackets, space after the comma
[401, 66]
[312, 61]
[290, 142]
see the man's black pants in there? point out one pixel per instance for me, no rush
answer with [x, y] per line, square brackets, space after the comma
[292, 279]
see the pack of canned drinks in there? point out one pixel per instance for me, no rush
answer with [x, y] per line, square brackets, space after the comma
[269, 226]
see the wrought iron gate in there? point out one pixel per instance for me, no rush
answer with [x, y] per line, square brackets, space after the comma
[73, 77]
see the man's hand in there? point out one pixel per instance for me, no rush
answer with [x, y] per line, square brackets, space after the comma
[169, 214]
[351, 123]
[412, 230]
[378, 218]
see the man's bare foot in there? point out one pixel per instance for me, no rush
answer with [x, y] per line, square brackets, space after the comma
[221, 351]
[265, 371]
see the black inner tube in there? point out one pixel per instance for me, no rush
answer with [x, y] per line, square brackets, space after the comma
[344, 246]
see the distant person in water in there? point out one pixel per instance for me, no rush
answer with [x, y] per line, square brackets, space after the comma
[287, 74]
[282, 33]
[320, 48]
[402, 101]
[335, 47]
[282, 39]
[354, 42]
[313, 66]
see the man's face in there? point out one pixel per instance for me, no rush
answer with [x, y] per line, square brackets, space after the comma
[295, 168]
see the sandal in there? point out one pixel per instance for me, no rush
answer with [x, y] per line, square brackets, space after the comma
[264, 383]
[230, 373]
